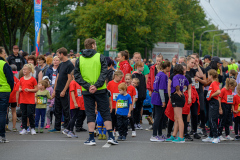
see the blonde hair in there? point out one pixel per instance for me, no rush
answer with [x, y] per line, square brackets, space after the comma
[30, 67]
[44, 83]
[122, 86]
[213, 73]
[128, 75]
[56, 57]
[73, 61]
[238, 87]
[138, 64]
[118, 73]
[205, 65]
[234, 73]
[136, 79]
[230, 82]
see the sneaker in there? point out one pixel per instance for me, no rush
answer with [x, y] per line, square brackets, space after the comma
[237, 137]
[179, 140]
[3, 140]
[90, 142]
[222, 138]
[168, 135]
[33, 132]
[229, 138]
[72, 135]
[41, 130]
[164, 137]
[156, 139]
[188, 137]
[23, 131]
[100, 137]
[65, 131]
[36, 130]
[112, 141]
[14, 130]
[104, 137]
[123, 138]
[170, 139]
[119, 138]
[135, 126]
[7, 129]
[196, 136]
[149, 129]
[80, 129]
[139, 127]
[116, 134]
[204, 132]
[191, 133]
[47, 127]
[53, 131]
[215, 140]
[208, 139]
[134, 134]
[28, 129]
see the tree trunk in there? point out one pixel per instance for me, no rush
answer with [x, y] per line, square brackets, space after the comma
[49, 35]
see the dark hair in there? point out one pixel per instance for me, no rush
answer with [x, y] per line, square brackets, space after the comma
[184, 64]
[165, 64]
[33, 53]
[88, 43]
[178, 69]
[14, 67]
[24, 54]
[63, 51]
[213, 65]
[1, 50]
[42, 57]
[32, 57]
[125, 54]
[109, 61]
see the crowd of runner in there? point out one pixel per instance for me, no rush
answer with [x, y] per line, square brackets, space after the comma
[189, 97]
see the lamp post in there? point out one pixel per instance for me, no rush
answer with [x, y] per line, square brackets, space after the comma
[193, 37]
[218, 46]
[213, 41]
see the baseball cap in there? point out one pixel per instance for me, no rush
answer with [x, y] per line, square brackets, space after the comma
[46, 77]
[71, 50]
[47, 54]
[216, 59]
[206, 56]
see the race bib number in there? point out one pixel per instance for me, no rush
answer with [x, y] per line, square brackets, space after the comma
[122, 104]
[197, 85]
[41, 100]
[239, 107]
[229, 98]
[115, 96]
[184, 89]
[79, 92]
[208, 94]
[17, 60]
[193, 81]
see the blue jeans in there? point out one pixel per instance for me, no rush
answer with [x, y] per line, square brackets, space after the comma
[4, 98]
[40, 112]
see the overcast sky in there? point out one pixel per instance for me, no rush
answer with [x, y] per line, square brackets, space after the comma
[228, 11]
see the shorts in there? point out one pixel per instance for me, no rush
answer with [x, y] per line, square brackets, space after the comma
[13, 105]
[177, 101]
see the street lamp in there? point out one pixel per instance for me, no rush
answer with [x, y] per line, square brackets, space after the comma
[193, 36]
[213, 40]
[218, 46]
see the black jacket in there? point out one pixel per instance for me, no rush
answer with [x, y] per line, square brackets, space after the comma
[17, 60]
[8, 74]
[110, 73]
[142, 91]
[88, 53]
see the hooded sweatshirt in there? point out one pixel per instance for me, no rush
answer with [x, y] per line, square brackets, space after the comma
[126, 68]
[142, 91]
[88, 53]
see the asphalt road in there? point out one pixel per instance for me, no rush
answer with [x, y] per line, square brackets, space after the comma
[56, 146]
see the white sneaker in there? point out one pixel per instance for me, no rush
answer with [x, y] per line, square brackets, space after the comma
[229, 138]
[208, 139]
[23, 131]
[222, 138]
[149, 129]
[215, 140]
[33, 132]
[139, 127]
[134, 134]
[116, 134]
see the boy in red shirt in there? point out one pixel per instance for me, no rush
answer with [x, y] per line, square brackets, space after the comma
[76, 104]
[236, 112]
[212, 97]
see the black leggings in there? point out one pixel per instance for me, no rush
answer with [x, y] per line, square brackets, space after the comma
[225, 119]
[236, 124]
[137, 110]
[131, 119]
[75, 113]
[194, 116]
[158, 120]
[114, 120]
[206, 104]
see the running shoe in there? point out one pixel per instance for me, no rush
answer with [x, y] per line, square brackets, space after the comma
[149, 129]
[47, 127]
[104, 137]
[53, 131]
[119, 138]
[229, 138]
[23, 131]
[215, 140]
[204, 132]
[100, 137]
[164, 137]
[123, 138]
[7, 129]
[179, 140]
[28, 129]
[134, 134]
[65, 131]
[71, 134]
[33, 132]
[196, 136]
[237, 137]
[36, 130]
[14, 130]
[170, 139]
[90, 142]
[156, 139]
[208, 139]
[41, 130]
[3, 140]
[222, 138]
[188, 137]
[139, 127]
[231, 128]
[112, 141]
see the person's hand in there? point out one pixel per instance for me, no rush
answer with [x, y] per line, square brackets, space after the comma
[220, 111]
[17, 104]
[92, 89]
[26, 90]
[235, 111]
[75, 105]
[129, 115]
[20, 89]
[178, 92]
[196, 78]
[53, 94]
[62, 94]
[111, 110]
[189, 100]
[96, 112]
[163, 104]
[50, 106]
[150, 93]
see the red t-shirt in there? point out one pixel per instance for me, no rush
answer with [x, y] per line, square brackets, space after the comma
[74, 86]
[12, 98]
[212, 89]
[236, 103]
[113, 88]
[27, 97]
[131, 91]
[17, 89]
[226, 96]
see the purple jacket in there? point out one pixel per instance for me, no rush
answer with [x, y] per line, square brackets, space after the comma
[50, 89]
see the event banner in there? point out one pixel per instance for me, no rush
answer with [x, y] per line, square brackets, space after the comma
[108, 41]
[114, 36]
[37, 18]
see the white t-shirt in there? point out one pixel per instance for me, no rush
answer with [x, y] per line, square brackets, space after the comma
[54, 76]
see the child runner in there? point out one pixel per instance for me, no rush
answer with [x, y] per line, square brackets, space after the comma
[212, 97]
[158, 100]
[27, 88]
[236, 112]
[141, 92]
[178, 100]
[42, 96]
[113, 88]
[132, 92]
[76, 101]
[225, 108]
[125, 67]
[123, 111]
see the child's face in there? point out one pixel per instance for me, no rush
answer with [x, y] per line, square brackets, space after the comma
[238, 91]
[26, 71]
[128, 80]
[158, 60]
[231, 87]
[40, 86]
[210, 77]
[134, 83]
[120, 57]
[168, 69]
[121, 91]
[140, 68]
[118, 78]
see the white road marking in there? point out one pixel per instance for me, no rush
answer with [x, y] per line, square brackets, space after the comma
[106, 145]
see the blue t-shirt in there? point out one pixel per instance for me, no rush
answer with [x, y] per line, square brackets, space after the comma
[123, 103]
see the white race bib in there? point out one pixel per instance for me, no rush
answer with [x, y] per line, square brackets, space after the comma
[17, 60]
[197, 85]
[208, 94]
[229, 98]
[115, 96]
[184, 89]
[193, 81]
[79, 92]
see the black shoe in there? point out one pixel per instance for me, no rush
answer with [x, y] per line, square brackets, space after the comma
[80, 129]
[191, 133]
[204, 133]
[168, 135]
[237, 138]
[188, 137]
[196, 136]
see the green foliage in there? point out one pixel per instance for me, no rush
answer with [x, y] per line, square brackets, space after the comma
[100, 41]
